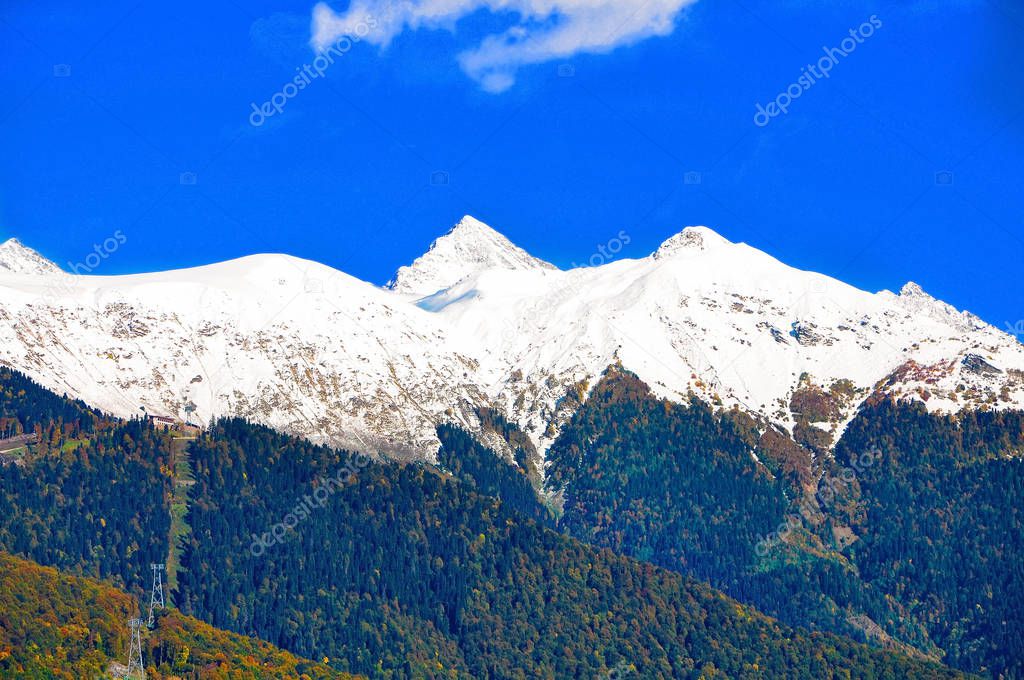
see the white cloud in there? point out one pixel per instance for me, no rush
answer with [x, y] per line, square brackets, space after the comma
[545, 29]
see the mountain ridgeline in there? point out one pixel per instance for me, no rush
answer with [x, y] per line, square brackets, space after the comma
[478, 324]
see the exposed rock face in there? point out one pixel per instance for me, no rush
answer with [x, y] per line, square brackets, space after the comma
[975, 364]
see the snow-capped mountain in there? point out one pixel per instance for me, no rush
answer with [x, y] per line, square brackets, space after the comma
[17, 259]
[287, 342]
[475, 322]
[469, 248]
[732, 325]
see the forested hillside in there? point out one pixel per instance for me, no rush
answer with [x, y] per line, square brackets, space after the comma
[406, 573]
[53, 625]
[91, 496]
[942, 526]
[26, 405]
[912, 535]
[490, 475]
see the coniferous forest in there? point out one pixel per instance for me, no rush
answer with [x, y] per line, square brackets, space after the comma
[467, 569]
[912, 537]
[92, 496]
[408, 573]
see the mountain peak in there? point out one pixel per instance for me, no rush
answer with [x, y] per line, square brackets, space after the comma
[914, 299]
[468, 248]
[910, 289]
[16, 258]
[690, 239]
[471, 225]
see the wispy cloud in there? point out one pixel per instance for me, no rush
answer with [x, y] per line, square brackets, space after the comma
[545, 30]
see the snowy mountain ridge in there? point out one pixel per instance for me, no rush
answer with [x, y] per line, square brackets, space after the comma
[477, 322]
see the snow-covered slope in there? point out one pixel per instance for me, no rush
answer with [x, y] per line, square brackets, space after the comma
[470, 247]
[313, 351]
[287, 342]
[17, 259]
[732, 325]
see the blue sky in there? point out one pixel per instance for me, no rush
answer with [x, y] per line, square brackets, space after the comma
[557, 138]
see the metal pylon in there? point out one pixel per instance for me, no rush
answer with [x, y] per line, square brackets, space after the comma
[135, 668]
[156, 596]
